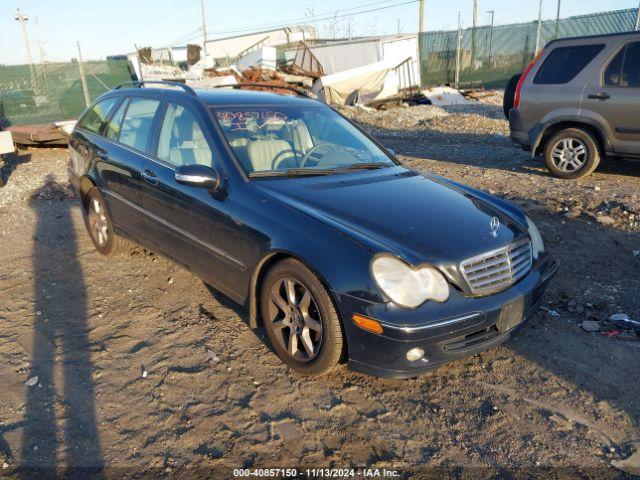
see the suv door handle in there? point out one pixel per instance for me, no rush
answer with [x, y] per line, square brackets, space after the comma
[150, 177]
[600, 96]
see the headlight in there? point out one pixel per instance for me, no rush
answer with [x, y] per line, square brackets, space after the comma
[537, 245]
[408, 286]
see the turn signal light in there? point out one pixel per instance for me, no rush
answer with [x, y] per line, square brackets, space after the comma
[368, 324]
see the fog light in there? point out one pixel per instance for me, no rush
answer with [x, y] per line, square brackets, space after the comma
[415, 354]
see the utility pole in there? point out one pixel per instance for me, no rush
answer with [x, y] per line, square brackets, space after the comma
[22, 18]
[539, 28]
[421, 17]
[204, 29]
[458, 46]
[492, 12]
[83, 79]
[558, 20]
[40, 47]
[473, 32]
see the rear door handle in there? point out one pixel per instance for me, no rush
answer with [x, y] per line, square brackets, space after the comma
[150, 177]
[600, 96]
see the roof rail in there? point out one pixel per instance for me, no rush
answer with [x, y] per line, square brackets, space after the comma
[139, 84]
[239, 86]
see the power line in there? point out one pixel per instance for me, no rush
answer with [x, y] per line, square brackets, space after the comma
[318, 18]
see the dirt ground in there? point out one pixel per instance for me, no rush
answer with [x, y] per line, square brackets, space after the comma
[133, 365]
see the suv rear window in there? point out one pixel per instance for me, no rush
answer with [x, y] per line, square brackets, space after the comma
[564, 63]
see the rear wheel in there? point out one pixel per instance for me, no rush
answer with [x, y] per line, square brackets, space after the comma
[100, 227]
[300, 319]
[572, 153]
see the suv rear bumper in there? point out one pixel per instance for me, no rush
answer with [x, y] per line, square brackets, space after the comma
[519, 134]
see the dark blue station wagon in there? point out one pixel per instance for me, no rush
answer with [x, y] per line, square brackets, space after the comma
[279, 202]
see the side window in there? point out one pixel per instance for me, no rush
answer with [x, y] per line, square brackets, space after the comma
[94, 118]
[631, 69]
[137, 122]
[182, 141]
[564, 63]
[113, 127]
[614, 69]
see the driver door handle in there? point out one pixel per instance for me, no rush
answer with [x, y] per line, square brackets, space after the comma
[150, 177]
[600, 96]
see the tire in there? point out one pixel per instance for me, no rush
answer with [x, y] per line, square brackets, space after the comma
[510, 94]
[96, 218]
[584, 157]
[313, 321]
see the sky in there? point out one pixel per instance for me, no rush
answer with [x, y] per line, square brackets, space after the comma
[117, 26]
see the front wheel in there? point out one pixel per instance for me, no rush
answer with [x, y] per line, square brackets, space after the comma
[300, 319]
[572, 153]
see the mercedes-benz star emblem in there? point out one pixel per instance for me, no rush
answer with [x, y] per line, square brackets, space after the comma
[495, 224]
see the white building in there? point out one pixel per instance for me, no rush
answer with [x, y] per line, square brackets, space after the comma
[231, 47]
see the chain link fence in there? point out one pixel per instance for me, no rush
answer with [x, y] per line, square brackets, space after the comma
[52, 92]
[492, 55]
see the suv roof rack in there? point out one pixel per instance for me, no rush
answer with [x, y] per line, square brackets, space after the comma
[239, 86]
[139, 84]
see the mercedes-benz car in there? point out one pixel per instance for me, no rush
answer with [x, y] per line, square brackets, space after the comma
[340, 252]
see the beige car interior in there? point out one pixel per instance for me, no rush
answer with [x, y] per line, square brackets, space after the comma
[277, 145]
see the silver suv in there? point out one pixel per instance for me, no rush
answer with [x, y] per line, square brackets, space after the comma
[579, 101]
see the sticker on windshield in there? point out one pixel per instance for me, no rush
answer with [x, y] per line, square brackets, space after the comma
[248, 120]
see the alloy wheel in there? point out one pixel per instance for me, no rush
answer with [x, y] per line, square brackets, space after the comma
[98, 223]
[569, 154]
[295, 319]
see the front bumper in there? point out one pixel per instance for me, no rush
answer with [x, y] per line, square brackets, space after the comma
[447, 331]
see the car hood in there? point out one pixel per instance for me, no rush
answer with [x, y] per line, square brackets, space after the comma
[417, 216]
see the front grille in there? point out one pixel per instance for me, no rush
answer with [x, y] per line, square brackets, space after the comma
[497, 270]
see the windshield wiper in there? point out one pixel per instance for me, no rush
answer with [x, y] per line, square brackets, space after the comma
[369, 165]
[293, 172]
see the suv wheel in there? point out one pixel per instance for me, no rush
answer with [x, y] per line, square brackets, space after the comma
[300, 319]
[572, 153]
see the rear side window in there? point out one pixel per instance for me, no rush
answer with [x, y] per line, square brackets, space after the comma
[624, 69]
[614, 69]
[137, 122]
[95, 118]
[564, 63]
[113, 127]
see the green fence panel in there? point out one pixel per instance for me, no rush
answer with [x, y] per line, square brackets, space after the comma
[53, 91]
[493, 55]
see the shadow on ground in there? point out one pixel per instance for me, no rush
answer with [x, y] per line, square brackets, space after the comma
[60, 431]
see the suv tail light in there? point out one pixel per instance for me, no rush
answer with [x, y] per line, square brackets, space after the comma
[525, 74]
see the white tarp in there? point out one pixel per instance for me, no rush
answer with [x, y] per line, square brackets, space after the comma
[349, 54]
[445, 96]
[372, 82]
[6, 143]
[342, 56]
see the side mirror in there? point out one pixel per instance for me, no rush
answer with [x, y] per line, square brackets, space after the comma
[391, 151]
[198, 176]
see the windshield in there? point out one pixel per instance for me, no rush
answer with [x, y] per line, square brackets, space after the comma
[296, 140]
